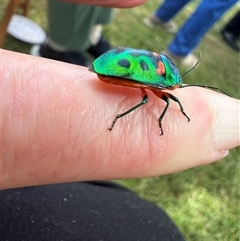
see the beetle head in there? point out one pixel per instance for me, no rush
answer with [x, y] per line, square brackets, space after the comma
[173, 78]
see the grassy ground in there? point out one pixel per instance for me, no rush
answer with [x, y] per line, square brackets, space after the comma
[204, 202]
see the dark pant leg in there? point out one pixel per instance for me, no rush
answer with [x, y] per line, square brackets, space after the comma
[82, 211]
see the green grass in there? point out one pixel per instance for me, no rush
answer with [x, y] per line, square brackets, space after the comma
[204, 201]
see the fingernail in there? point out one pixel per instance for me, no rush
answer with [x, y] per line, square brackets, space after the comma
[226, 126]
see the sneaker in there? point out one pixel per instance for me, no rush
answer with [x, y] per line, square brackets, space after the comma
[100, 48]
[153, 21]
[230, 40]
[189, 61]
[69, 57]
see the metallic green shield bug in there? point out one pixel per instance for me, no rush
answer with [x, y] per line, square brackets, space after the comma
[144, 70]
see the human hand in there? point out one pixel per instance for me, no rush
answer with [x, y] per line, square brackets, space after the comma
[110, 3]
[55, 118]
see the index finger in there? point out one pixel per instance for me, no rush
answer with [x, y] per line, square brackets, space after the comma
[55, 118]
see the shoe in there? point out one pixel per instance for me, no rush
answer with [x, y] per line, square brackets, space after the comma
[189, 61]
[153, 21]
[69, 57]
[100, 48]
[231, 40]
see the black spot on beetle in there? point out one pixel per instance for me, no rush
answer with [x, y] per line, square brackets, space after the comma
[143, 65]
[125, 63]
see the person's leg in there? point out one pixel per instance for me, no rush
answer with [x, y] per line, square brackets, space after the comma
[192, 32]
[97, 43]
[82, 211]
[169, 9]
[70, 24]
[163, 15]
[72, 28]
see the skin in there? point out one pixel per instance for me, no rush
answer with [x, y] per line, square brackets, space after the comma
[111, 3]
[55, 118]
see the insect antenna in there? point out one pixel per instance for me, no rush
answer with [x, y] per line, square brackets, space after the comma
[207, 87]
[203, 86]
[200, 57]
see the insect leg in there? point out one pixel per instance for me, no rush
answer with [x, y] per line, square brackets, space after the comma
[144, 101]
[180, 105]
[166, 96]
[166, 99]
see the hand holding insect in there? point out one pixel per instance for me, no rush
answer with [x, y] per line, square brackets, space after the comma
[54, 121]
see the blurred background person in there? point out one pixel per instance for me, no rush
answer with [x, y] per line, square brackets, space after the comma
[192, 31]
[74, 30]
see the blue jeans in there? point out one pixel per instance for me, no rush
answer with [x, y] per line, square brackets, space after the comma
[194, 29]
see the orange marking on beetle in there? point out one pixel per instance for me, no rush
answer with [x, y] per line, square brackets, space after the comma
[160, 69]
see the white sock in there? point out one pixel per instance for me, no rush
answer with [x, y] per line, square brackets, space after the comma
[95, 34]
[55, 46]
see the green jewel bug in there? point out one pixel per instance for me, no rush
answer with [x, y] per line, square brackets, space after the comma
[142, 69]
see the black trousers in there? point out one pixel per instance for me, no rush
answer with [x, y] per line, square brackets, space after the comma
[82, 211]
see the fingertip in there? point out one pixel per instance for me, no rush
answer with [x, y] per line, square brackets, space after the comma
[227, 121]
